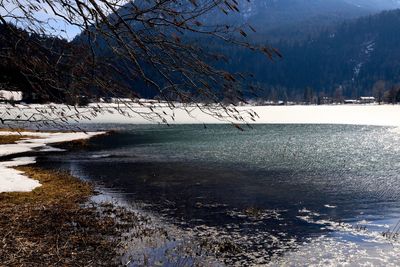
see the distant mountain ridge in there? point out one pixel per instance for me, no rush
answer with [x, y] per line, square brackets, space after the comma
[276, 18]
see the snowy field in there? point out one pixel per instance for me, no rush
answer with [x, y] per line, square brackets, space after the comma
[12, 180]
[379, 115]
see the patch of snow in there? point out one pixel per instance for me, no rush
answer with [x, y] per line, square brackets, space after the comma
[41, 141]
[10, 95]
[51, 149]
[357, 70]
[366, 50]
[18, 162]
[370, 47]
[12, 180]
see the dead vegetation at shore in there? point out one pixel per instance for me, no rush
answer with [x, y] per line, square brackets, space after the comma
[12, 139]
[16, 130]
[57, 225]
[50, 226]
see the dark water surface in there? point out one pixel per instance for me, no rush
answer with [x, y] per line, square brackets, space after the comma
[303, 194]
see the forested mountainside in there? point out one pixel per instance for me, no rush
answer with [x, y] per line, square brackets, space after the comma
[28, 68]
[46, 69]
[297, 19]
[346, 59]
[350, 58]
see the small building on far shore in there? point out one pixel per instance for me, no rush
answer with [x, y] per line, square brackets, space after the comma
[10, 96]
[350, 101]
[367, 100]
[325, 100]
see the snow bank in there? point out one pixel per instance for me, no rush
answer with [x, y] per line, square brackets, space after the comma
[10, 95]
[12, 180]
[379, 115]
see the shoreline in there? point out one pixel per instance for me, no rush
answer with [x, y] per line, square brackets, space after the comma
[23, 143]
[68, 221]
[48, 219]
[57, 224]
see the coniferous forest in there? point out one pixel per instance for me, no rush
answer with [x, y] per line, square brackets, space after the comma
[351, 60]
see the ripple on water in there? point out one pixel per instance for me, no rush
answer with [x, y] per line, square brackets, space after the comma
[316, 194]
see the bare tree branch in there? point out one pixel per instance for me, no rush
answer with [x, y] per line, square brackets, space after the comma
[124, 45]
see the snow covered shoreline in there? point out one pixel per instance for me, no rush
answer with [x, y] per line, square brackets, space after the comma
[371, 114]
[12, 180]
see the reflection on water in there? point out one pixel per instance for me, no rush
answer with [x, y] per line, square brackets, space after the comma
[278, 193]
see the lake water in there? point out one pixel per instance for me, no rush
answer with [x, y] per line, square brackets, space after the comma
[282, 194]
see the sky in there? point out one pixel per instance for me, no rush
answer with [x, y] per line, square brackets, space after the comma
[55, 25]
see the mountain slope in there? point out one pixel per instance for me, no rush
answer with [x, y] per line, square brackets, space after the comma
[290, 19]
[353, 57]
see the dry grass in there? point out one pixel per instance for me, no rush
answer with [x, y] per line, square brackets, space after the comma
[22, 130]
[50, 226]
[12, 139]
[55, 225]
[75, 145]
[57, 187]
[17, 130]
